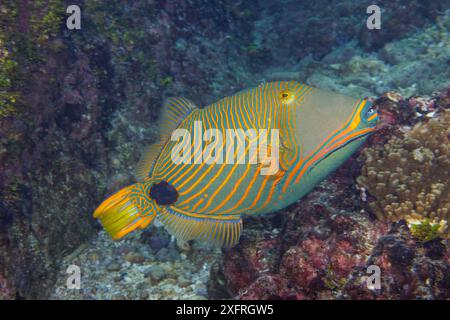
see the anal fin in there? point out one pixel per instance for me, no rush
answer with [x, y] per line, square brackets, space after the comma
[219, 230]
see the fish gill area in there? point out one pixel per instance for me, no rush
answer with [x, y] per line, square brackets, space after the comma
[77, 107]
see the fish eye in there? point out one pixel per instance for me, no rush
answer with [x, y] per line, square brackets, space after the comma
[286, 96]
[370, 111]
[370, 114]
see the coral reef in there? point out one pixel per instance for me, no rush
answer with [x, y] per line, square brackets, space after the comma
[409, 269]
[415, 65]
[321, 248]
[288, 32]
[409, 178]
[78, 107]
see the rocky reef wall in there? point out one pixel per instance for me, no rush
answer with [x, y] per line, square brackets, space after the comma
[78, 107]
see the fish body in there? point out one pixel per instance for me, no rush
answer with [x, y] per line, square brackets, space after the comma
[287, 138]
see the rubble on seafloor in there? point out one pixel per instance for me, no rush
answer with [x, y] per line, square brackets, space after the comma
[145, 265]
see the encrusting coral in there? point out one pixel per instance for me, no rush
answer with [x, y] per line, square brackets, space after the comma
[409, 178]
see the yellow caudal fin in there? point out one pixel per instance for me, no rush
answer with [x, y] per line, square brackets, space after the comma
[125, 211]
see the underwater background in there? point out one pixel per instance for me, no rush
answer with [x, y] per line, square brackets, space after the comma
[78, 106]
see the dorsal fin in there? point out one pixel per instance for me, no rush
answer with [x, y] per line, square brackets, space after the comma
[173, 112]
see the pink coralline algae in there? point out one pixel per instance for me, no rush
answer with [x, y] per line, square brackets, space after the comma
[408, 270]
[6, 290]
[314, 263]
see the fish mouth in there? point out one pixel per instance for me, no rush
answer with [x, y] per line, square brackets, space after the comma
[348, 139]
[364, 133]
[312, 161]
[358, 135]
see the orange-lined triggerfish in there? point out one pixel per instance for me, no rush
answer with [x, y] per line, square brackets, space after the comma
[318, 131]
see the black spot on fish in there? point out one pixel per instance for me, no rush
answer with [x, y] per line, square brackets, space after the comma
[163, 193]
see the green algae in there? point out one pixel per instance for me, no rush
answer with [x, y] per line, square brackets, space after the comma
[425, 230]
[8, 67]
[23, 41]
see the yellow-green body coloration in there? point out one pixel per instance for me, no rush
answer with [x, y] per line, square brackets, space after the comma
[318, 131]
